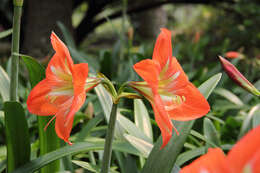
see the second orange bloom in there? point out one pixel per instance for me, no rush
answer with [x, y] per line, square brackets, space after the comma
[167, 88]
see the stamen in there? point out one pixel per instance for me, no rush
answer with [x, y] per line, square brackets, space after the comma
[46, 126]
[176, 101]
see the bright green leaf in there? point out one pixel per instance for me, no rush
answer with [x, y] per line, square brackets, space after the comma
[106, 103]
[36, 70]
[142, 119]
[256, 117]
[229, 96]
[210, 132]
[251, 120]
[17, 135]
[131, 128]
[141, 145]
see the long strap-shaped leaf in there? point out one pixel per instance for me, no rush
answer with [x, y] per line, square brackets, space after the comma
[162, 160]
[48, 139]
[70, 150]
[17, 135]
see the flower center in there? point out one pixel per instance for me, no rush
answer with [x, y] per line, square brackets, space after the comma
[172, 101]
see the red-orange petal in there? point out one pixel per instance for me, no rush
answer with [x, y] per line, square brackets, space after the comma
[173, 68]
[163, 47]
[80, 74]
[246, 152]
[149, 71]
[194, 106]
[63, 126]
[162, 118]
[38, 102]
[212, 162]
[60, 66]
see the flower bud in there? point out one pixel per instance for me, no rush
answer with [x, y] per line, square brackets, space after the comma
[237, 77]
[233, 55]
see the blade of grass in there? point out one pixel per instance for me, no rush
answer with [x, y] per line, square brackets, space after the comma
[6, 33]
[74, 149]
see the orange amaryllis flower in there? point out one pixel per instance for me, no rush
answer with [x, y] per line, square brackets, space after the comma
[63, 91]
[244, 157]
[237, 77]
[167, 88]
[233, 54]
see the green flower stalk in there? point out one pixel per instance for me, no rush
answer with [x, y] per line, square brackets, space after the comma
[237, 77]
[18, 5]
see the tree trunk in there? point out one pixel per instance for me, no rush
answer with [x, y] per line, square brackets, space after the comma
[147, 24]
[41, 19]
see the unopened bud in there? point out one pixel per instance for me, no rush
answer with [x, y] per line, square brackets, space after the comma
[237, 77]
[233, 55]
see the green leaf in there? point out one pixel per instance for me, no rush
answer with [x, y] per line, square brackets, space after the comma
[162, 160]
[48, 139]
[141, 145]
[200, 136]
[130, 165]
[251, 120]
[210, 132]
[106, 103]
[229, 96]
[94, 144]
[6, 33]
[188, 155]
[36, 70]
[256, 117]
[91, 167]
[17, 135]
[4, 84]
[87, 128]
[131, 128]
[142, 119]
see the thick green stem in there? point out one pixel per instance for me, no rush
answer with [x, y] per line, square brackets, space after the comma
[15, 51]
[109, 140]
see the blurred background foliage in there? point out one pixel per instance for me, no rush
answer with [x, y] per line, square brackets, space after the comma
[112, 35]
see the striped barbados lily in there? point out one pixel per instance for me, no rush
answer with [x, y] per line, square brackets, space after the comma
[63, 91]
[244, 157]
[167, 88]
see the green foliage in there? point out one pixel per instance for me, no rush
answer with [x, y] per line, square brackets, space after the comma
[137, 140]
[17, 136]
[91, 144]
[48, 139]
